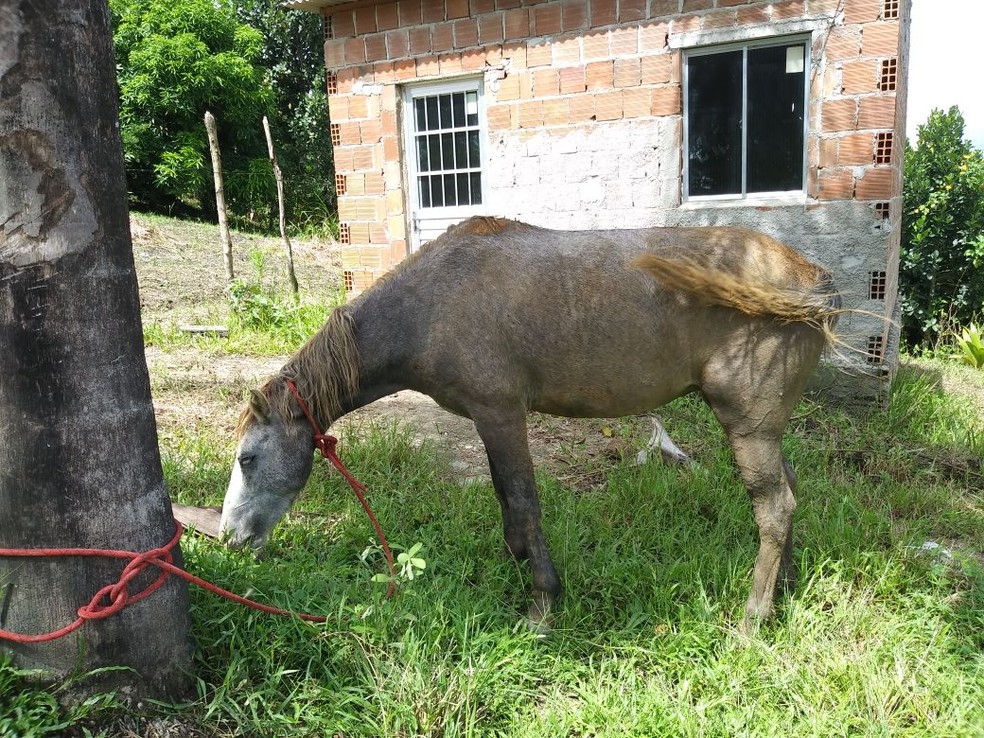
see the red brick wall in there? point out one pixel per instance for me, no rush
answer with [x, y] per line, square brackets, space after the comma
[571, 63]
[858, 136]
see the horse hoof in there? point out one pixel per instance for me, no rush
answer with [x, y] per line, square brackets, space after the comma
[539, 620]
[539, 628]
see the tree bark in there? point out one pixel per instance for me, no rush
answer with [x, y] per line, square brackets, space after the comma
[79, 463]
[291, 274]
[220, 204]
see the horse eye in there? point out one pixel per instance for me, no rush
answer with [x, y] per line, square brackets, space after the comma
[246, 459]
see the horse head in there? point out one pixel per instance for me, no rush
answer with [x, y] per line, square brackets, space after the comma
[273, 462]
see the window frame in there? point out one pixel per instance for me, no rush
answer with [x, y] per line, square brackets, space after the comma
[427, 89]
[773, 41]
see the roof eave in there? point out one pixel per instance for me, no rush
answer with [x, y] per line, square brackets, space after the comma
[312, 6]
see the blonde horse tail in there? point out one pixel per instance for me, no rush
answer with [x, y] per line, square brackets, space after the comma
[817, 306]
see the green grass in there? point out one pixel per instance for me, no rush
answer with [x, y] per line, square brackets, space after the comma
[879, 639]
[26, 711]
[261, 337]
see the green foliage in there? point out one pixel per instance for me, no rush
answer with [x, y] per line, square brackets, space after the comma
[28, 710]
[241, 60]
[942, 251]
[25, 711]
[292, 53]
[260, 308]
[971, 345]
[407, 564]
[175, 60]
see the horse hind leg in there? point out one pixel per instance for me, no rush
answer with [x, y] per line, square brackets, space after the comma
[788, 570]
[770, 484]
[753, 396]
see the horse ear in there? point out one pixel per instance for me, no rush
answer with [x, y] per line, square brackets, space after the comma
[259, 405]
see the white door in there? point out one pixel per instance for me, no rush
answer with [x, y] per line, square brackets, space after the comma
[445, 131]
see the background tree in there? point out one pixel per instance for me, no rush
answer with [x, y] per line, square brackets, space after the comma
[176, 59]
[241, 59]
[940, 276]
[79, 465]
[293, 56]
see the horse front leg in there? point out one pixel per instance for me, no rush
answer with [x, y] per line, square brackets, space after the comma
[504, 436]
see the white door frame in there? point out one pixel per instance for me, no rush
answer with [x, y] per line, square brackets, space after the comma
[427, 221]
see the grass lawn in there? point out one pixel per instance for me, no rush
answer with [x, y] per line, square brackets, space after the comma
[884, 635]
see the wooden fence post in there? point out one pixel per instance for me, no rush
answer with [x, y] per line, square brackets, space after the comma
[291, 275]
[220, 205]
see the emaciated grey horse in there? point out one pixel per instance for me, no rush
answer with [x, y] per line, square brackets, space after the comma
[496, 318]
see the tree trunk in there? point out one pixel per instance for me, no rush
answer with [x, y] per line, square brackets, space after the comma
[220, 205]
[79, 464]
[291, 274]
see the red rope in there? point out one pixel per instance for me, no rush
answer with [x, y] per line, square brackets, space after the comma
[114, 597]
[326, 445]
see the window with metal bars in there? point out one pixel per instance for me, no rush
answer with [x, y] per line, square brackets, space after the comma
[447, 147]
[745, 118]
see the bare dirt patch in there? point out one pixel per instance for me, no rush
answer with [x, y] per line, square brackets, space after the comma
[181, 268]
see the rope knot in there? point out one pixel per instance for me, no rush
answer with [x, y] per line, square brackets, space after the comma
[114, 597]
[325, 444]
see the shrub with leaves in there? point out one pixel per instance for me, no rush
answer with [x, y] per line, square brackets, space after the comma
[942, 253]
[260, 308]
[293, 55]
[175, 60]
[971, 344]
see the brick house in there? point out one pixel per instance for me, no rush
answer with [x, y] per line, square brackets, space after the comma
[787, 117]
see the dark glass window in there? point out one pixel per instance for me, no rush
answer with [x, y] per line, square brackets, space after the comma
[714, 104]
[745, 120]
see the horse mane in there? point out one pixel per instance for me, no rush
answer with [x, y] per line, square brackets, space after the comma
[325, 370]
[484, 225]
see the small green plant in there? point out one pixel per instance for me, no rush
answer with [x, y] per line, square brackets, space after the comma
[408, 564]
[253, 306]
[27, 708]
[971, 344]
